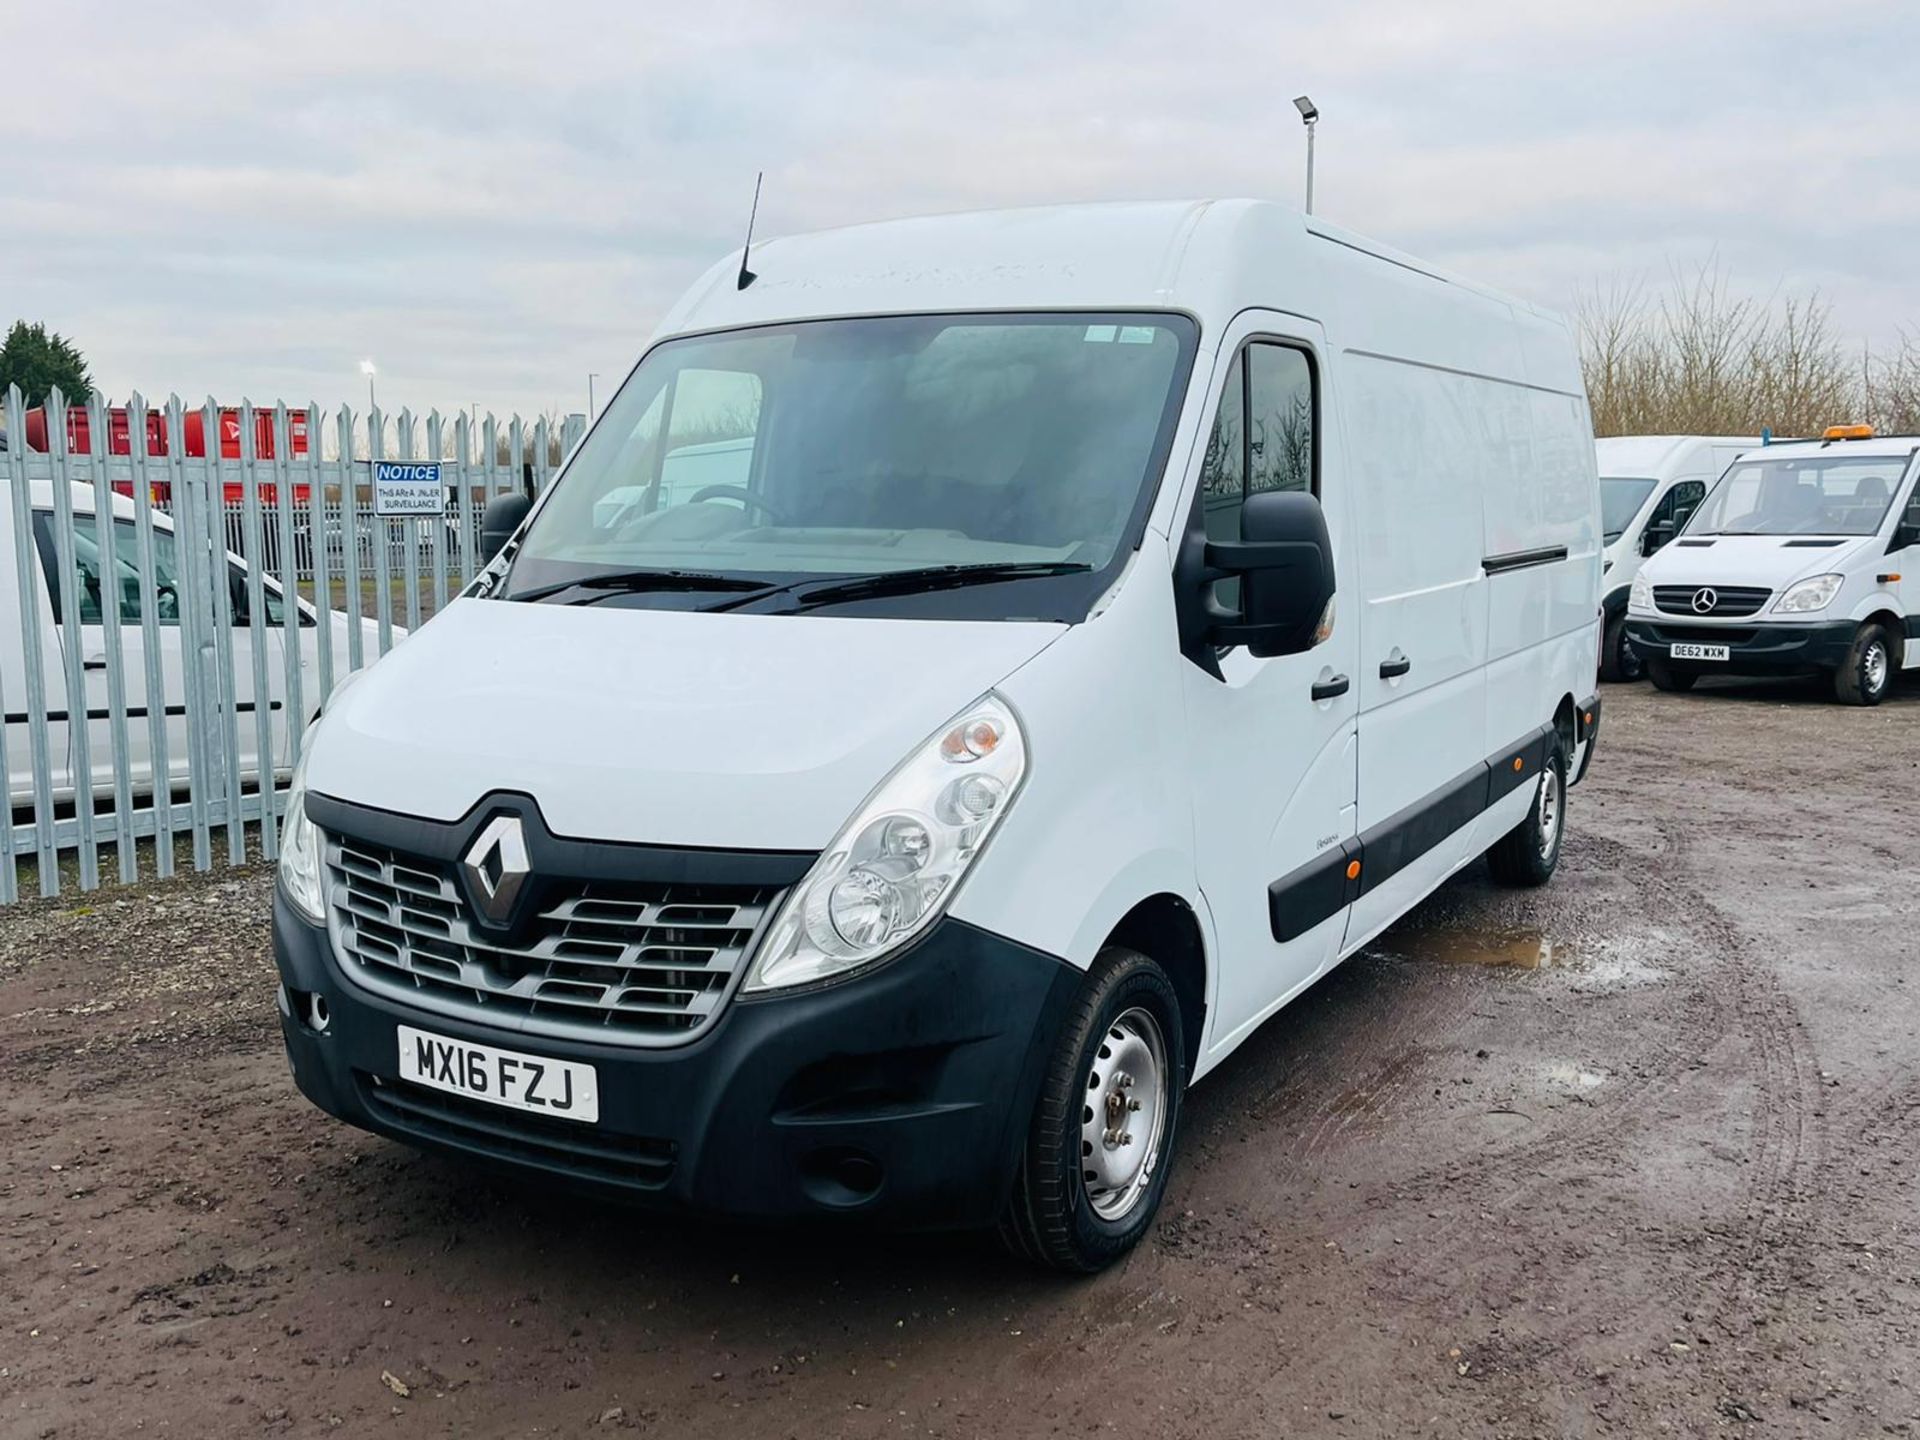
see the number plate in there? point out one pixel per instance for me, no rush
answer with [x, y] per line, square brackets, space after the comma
[560, 1088]
[1699, 652]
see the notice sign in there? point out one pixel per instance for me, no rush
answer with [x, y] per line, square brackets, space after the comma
[408, 488]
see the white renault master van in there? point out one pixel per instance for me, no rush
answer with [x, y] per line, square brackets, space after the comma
[1797, 561]
[1123, 614]
[1649, 485]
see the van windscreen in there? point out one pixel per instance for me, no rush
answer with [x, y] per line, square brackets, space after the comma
[1818, 494]
[1620, 499]
[865, 446]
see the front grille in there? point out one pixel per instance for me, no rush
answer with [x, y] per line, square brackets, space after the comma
[620, 962]
[501, 1134]
[1729, 600]
[1701, 634]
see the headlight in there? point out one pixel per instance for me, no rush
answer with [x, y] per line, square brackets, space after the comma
[300, 849]
[1813, 593]
[894, 867]
[1641, 596]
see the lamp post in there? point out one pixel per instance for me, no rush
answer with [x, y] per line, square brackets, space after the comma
[366, 369]
[1310, 116]
[592, 375]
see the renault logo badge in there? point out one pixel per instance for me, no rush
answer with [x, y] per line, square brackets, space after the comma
[1704, 599]
[497, 866]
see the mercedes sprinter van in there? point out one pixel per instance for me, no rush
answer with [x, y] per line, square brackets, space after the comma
[1649, 486]
[1112, 617]
[1801, 560]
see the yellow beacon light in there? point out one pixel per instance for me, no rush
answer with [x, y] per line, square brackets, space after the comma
[1848, 432]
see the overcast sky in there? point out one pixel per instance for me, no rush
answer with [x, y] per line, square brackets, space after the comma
[493, 200]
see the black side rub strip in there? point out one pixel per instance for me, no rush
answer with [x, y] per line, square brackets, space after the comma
[1523, 559]
[1329, 882]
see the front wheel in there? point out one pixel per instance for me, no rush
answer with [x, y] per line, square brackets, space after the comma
[1867, 673]
[1095, 1162]
[1619, 661]
[1528, 853]
[1668, 676]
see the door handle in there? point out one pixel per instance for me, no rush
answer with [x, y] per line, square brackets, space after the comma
[1394, 669]
[1328, 689]
[94, 662]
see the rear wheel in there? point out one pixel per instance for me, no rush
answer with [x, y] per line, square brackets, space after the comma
[1097, 1152]
[1668, 676]
[1867, 673]
[1528, 853]
[1618, 660]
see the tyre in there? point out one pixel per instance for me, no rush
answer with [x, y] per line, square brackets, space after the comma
[1668, 676]
[1619, 661]
[1528, 853]
[1096, 1156]
[1866, 675]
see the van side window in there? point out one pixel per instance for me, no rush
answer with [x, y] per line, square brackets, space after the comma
[126, 564]
[1280, 419]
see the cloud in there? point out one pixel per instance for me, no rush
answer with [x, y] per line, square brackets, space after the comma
[494, 201]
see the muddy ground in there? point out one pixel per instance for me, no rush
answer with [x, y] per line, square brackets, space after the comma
[1653, 1174]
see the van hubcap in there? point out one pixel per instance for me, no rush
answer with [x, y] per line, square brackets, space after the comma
[1123, 1122]
[1875, 666]
[1549, 811]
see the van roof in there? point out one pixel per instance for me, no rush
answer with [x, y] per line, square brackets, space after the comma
[1210, 258]
[1651, 454]
[1879, 445]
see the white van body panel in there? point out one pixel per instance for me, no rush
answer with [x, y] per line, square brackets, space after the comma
[720, 727]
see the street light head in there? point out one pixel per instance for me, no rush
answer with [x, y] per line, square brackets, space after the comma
[366, 368]
[1309, 112]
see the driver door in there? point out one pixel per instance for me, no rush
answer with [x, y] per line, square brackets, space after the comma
[1273, 745]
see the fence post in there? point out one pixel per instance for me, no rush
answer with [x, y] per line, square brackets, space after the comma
[410, 529]
[159, 757]
[106, 545]
[382, 533]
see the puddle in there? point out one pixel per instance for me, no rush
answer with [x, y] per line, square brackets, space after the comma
[1575, 1077]
[1610, 962]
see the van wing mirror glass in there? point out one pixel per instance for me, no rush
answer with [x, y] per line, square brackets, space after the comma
[1906, 533]
[501, 518]
[1658, 534]
[1284, 558]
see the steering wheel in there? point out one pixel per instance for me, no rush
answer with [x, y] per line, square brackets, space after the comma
[738, 492]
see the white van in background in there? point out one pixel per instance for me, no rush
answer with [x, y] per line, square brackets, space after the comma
[50, 625]
[1649, 485]
[1802, 559]
[1116, 616]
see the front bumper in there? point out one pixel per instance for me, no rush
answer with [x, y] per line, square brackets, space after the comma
[1751, 649]
[901, 1095]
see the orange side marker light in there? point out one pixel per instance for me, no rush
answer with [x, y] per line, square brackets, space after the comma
[1353, 869]
[1519, 763]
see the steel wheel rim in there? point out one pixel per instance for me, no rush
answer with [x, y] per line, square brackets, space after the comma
[1875, 665]
[1549, 812]
[1124, 1114]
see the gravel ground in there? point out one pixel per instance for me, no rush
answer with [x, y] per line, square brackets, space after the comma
[1632, 1155]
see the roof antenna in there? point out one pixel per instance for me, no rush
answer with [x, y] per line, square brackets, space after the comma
[747, 277]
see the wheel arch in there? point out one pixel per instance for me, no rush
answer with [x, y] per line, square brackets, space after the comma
[1165, 928]
[1895, 625]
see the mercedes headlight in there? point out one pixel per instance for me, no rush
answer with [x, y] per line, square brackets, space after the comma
[894, 867]
[1814, 593]
[1640, 597]
[300, 849]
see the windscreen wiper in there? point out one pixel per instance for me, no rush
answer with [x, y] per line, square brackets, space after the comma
[922, 579]
[635, 582]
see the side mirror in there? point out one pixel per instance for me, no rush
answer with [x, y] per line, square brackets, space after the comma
[1657, 534]
[1906, 533]
[498, 522]
[1284, 558]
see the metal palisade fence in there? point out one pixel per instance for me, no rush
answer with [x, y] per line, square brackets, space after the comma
[187, 587]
